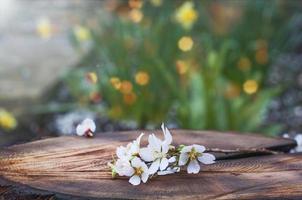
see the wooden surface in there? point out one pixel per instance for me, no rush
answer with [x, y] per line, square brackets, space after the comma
[76, 167]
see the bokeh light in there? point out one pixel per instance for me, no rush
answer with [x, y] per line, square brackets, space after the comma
[250, 86]
[142, 78]
[115, 82]
[185, 43]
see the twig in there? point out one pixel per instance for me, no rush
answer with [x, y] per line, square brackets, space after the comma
[239, 150]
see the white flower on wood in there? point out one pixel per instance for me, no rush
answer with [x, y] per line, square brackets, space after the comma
[123, 167]
[157, 151]
[86, 128]
[132, 149]
[169, 170]
[298, 139]
[191, 155]
[136, 169]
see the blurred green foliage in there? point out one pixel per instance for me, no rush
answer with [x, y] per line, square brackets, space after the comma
[200, 64]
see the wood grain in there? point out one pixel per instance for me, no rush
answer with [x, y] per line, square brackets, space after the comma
[77, 167]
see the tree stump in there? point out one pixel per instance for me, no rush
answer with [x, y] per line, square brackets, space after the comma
[76, 167]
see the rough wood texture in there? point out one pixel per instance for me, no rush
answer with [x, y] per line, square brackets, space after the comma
[76, 167]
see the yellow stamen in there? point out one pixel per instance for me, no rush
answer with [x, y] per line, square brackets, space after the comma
[138, 171]
[193, 154]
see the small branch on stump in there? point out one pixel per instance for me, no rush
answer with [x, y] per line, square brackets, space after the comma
[239, 150]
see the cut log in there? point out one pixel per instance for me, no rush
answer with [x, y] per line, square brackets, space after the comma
[77, 167]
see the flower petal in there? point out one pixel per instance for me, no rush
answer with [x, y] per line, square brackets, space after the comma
[172, 159]
[183, 159]
[139, 138]
[167, 134]
[145, 177]
[298, 139]
[154, 167]
[135, 180]
[206, 158]
[128, 171]
[193, 167]
[164, 147]
[199, 148]
[136, 162]
[80, 130]
[166, 172]
[186, 149]
[146, 154]
[89, 123]
[163, 164]
[154, 143]
[123, 168]
[121, 152]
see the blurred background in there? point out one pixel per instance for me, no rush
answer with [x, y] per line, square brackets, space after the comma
[193, 64]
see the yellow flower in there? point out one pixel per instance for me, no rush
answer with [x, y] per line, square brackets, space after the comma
[81, 33]
[186, 15]
[126, 87]
[130, 98]
[7, 120]
[142, 78]
[244, 64]
[182, 67]
[136, 15]
[115, 82]
[44, 28]
[92, 77]
[156, 3]
[185, 43]
[250, 86]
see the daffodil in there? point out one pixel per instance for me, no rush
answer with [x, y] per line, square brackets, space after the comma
[157, 151]
[192, 154]
[86, 128]
[186, 15]
[131, 150]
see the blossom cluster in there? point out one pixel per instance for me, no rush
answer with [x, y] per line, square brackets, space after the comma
[160, 157]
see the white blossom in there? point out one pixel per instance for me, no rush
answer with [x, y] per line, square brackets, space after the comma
[169, 170]
[132, 149]
[298, 139]
[192, 154]
[160, 156]
[136, 169]
[156, 151]
[87, 128]
[123, 167]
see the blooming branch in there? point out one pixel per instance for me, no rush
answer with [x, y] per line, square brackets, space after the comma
[158, 158]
